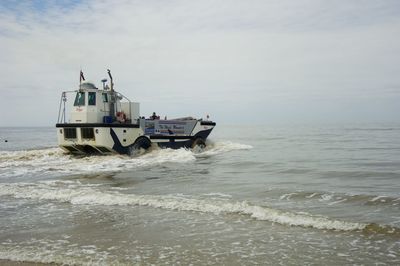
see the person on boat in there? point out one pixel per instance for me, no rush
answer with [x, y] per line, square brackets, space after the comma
[154, 116]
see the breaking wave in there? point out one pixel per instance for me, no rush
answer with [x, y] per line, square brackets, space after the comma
[76, 193]
[336, 198]
[54, 160]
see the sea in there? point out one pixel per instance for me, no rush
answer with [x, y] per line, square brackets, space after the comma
[257, 195]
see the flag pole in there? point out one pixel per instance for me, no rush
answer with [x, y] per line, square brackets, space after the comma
[81, 77]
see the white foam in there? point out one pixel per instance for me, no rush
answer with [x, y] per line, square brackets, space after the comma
[326, 197]
[20, 163]
[214, 148]
[287, 196]
[338, 201]
[92, 195]
[54, 160]
[47, 251]
[380, 198]
[311, 196]
[218, 195]
[160, 156]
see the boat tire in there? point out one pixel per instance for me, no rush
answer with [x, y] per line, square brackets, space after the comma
[140, 145]
[199, 143]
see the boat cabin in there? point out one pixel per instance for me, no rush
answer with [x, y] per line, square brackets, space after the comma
[93, 105]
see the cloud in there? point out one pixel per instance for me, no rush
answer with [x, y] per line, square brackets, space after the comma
[198, 57]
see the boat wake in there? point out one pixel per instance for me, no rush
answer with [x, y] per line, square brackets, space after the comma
[76, 193]
[55, 161]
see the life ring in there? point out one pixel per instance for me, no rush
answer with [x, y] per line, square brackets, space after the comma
[121, 117]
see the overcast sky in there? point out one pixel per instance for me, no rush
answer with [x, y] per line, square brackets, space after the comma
[255, 61]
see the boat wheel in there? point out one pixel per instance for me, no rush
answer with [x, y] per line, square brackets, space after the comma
[140, 146]
[199, 144]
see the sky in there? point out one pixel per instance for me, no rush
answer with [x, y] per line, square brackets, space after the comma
[267, 61]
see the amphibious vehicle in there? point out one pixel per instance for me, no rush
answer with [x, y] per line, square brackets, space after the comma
[93, 120]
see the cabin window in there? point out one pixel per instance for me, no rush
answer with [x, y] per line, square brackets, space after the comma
[92, 98]
[105, 98]
[79, 99]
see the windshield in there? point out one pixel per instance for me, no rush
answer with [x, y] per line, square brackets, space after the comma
[105, 98]
[92, 98]
[79, 99]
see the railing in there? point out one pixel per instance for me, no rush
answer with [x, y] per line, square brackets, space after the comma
[62, 111]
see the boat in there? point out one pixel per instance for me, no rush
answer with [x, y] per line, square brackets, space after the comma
[103, 121]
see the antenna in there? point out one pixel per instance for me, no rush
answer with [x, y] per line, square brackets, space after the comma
[104, 83]
[111, 80]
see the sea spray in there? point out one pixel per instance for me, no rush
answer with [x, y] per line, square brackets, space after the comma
[55, 161]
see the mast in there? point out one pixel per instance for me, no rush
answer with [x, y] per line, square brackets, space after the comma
[112, 100]
[81, 77]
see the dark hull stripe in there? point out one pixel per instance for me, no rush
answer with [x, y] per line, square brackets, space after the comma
[98, 125]
[117, 144]
[171, 137]
[207, 123]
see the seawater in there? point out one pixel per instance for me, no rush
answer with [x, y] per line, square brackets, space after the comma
[269, 195]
